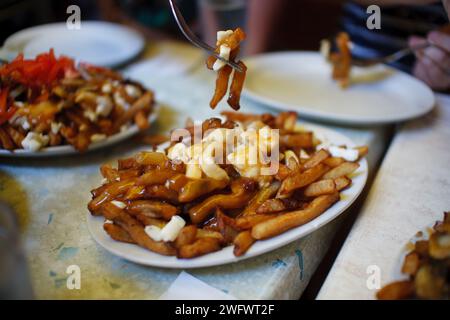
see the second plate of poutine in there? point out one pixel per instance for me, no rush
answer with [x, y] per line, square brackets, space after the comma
[51, 106]
[162, 208]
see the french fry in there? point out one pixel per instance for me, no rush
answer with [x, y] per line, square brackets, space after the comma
[237, 84]
[342, 183]
[242, 242]
[151, 158]
[362, 151]
[319, 188]
[155, 177]
[279, 205]
[205, 233]
[152, 209]
[397, 290]
[223, 77]
[117, 233]
[197, 188]
[297, 140]
[242, 192]
[261, 196]
[294, 219]
[333, 162]
[248, 222]
[316, 159]
[136, 230]
[186, 236]
[302, 179]
[411, 263]
[342, 170]
[200, 247]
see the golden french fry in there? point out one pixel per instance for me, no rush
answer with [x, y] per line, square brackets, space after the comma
[316, 159]
[187, 236]
[342, 170]
[242, 242]
[294, 219]
[397, 290]
[152, 209]
[197, 188]
[362, 151]
[279, 205]
[319, 188]
[205, 233]
[302, 179]
[333, 162]
[200, 247]
[411, 263]
[249, 221]
[117, 233]
[136, 230]
[155, 177]
[242, 192]
[261, 196]
[342, 183]
[151, 158]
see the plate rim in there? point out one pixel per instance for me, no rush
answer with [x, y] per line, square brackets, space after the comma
[16, 42]
[117, 248]
[308, 112]
[67, 150]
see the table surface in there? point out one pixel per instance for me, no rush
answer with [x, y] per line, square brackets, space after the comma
[410, 193]
[50, 197]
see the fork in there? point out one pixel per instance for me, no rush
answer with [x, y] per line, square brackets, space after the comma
[389, 58]
[187, 32]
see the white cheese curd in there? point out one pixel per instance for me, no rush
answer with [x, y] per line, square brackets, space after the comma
[132, 91]
[347, 154]
[172, 229]
[119, 204]
[119, 100]
[91, 115]
[108, 221]
[124, 128]
[107, 88]
[325, 48]
[104, 106]
[303, 154]
[222, 35]
[35, 141]
[153, 232]
[19, 104]
[243, 148]
[224, 54]
[98, 137]
[55, 127]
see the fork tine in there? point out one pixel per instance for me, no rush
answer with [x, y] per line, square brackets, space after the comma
[187, 32]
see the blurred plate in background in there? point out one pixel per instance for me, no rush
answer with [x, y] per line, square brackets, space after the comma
[301, 82]
[100, 43]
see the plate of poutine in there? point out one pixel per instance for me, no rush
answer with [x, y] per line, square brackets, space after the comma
[307, 83]
[187, 205]
[424, 266]
[49, 106]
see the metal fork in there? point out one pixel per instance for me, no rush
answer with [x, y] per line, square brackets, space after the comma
[196, 41]
[389, 58]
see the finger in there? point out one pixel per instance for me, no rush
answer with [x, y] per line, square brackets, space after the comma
[420, 73]
[414, 42]
[438, 78]
[440, 57]
[440, 39]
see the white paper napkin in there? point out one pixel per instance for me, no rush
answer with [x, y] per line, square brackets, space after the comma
[187, 287]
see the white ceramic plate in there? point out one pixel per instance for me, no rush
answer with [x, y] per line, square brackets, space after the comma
[100, 43]
[69, 150]
[142, 256]
[301, 81]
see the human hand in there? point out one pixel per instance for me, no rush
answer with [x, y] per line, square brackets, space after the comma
[433, 63]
